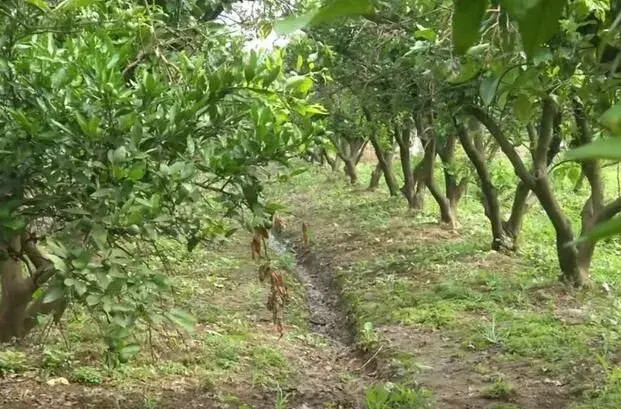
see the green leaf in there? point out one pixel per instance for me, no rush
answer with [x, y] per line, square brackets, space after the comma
[522, 107]
[426, 34]
[182, 319]
[467, 19]
[600, 149]
[100, 236]
[53, 294]
[250, 69]
[468, 71]
[59, 263]
[538, 21]
[488, 88]
[612, 120]
[93, 299]
[40, 4]
[137, 171]
[330, 12]
[292, 24]
[190, 145]
[518, 8]
[128, 351]
[69, 4]
[603, 230]
[300, 84]
[15, 224]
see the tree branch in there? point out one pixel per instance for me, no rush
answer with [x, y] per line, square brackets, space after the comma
[503, 141]
[609, 211]
[546, 133]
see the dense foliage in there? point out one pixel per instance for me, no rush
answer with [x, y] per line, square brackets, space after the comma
[122, 123]
[525, 79]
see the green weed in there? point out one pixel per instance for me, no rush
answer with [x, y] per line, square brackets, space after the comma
[87, 375]
[608, 397]
[368, 338]
[13, 362]
[397, 396]
[499, 390]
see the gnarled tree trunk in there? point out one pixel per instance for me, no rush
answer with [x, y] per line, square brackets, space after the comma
[376, 175]
[17, 310]
[429, 141]
[402, 136]
[574, 259]
[500, 241]
[385, 163]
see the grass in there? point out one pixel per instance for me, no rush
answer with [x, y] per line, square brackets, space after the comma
[235, 353]
[397, 396]
[499, 390]
[407, 276]
[434, 308]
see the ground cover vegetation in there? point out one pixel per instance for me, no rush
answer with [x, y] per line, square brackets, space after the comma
[402, 204]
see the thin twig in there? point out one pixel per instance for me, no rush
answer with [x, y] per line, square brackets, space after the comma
[370, 359]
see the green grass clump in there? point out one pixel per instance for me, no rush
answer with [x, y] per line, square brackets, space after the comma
[12, 361]
[87, 375]
[397, 396]
[499, 390]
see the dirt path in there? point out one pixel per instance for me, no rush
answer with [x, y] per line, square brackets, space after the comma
[328, 318]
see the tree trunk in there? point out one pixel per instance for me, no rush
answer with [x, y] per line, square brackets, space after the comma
[402, 137]
[376, 175]
[17, 311]
[333, 162]
[520, 205]
[385, 162]
[16, 291]
[572, 260]
[446, 215]
[490, 201]
[351, 171]
[429, 158]
[418, 200]
[454, 189]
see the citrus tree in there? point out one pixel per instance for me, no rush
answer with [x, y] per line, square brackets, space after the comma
[527, 78]
[119, 128]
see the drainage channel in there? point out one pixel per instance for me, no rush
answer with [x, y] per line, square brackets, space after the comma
[326, 310]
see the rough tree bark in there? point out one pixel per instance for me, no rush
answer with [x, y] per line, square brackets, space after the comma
[500, 241]
[507, 237]
[349, 151]
[414, 184]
